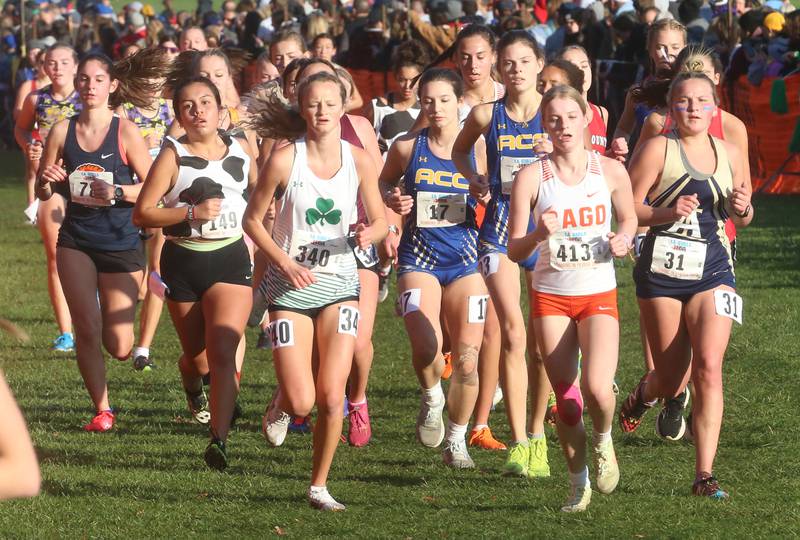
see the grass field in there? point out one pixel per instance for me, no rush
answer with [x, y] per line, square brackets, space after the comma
[147, 477]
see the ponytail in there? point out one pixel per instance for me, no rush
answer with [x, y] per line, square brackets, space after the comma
[138, 76]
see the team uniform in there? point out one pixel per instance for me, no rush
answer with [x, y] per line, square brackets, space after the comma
[598, 130]
[198, 253]
[574, 275]
[312, 225]
[389, 123]
[440, 236]
[49, 111]
[509, 147]
[693, 254]
[101, 229]
[465, 108]
[156, 125]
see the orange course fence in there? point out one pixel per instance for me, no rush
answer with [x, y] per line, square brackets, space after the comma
[774, 168]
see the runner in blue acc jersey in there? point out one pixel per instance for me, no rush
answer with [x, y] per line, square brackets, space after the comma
[509, 147]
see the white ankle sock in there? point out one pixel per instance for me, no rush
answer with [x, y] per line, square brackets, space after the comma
[456, 432]
[434, 394]
[141, 351]
[478, 427]
[600, 438]
[579, 479]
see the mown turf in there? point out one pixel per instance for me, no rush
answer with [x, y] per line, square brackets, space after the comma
[147, 477]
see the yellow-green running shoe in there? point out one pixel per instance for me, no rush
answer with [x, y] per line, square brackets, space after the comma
[517, 461]
[538, 467]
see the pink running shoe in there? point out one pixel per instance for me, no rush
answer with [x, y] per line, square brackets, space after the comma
[101, 423]
[360, 430]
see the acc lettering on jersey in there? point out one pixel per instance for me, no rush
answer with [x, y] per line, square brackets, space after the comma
[523, 141]
[585, 216]
[441, 178]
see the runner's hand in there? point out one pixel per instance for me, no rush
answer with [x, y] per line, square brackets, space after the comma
[363, 236]
[548, 222]
[618, 150]
[740, 199]
[101, 190]
[207, 210]
[298, 275]
[390, 244]
[618, 244]
[543, 146]
[685, 205]
[479, 187]
[399, 203]
[33, 150]
[55, 172]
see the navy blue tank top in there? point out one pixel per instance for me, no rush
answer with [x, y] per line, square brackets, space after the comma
[102, 228]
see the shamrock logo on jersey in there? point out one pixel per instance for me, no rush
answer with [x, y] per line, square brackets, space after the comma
[324, 211]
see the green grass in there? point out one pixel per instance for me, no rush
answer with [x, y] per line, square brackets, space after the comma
[147, 477]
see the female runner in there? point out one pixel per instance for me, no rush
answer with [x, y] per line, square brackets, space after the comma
[313, 282]
[90, 160]
[26, 88]
[514, 136]
[40, 112]
[684, 277]
[152, 115]
[202, 178]
[670, 422]
[574, 297]
[598, 115]
[438, 264]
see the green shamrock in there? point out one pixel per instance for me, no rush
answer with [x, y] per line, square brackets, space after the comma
[324, 211]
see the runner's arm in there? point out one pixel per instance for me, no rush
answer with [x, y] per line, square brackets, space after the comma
[523, 197]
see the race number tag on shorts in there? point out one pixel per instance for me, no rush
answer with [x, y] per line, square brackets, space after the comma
[477, 308]
[488, 264]
[728, 304]
[348, 320]
[226, 225]
[368, 257]
[80, 187]
[319, 253]
[577, 249]
[156, 285]
[440, 209]
[509, 167]
[281, 333]
[679, 258]
[409, 301]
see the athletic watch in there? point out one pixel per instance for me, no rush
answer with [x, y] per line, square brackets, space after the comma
[118, 193]
[745, 213]
[190, 213]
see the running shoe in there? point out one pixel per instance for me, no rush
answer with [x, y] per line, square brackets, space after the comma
[448, 366]
[455, 455]
[102, 422]
[383, 284]
[216, 457]
[551, 414]
[301, 425]
[605, 463]
[238, 412]
[670, 423]
[64, 343]
[517, 461]
[538, 467]
[615, 387]
[633, 409]
[275, 424]
[322, 500]
[430, 425]
[264, 342]
[483, 438]
[497, 397]
[143, 363]
[709, 487]
[578, 500]
[198, 405]
[359, 431]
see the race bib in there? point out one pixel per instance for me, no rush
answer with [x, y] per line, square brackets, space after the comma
[368, 257]
[281, 333]
[509, 167]
[577, 249]
[476, 312]
[728, 304]
[319, 253]
[678, 258]
[80, 187]
[440, 209]
[226, 225]
[409, 301]
[488, 264]
[348, 320]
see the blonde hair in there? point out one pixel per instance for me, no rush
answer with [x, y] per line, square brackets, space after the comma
[684, 76]
[663, 25]
[563, 91]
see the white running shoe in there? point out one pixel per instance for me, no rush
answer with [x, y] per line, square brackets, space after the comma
[498, 396]
[605, 463]
[322, 500]
[578, 500]
[430, 425]
[455, 455]
[275, 424]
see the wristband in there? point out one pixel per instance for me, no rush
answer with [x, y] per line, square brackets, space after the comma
[394, 229]
[190, 213]
[745, 213]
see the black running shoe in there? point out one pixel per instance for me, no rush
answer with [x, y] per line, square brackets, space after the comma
[670, 423]
[198, 405]
[143, 363]
[708, 486]
[237, 413]
[216, 457]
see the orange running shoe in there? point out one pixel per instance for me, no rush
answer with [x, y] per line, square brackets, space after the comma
[483, 438]
[448, 366]
[104, 421]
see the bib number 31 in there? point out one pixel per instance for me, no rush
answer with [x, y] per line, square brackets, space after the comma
[728, 304]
